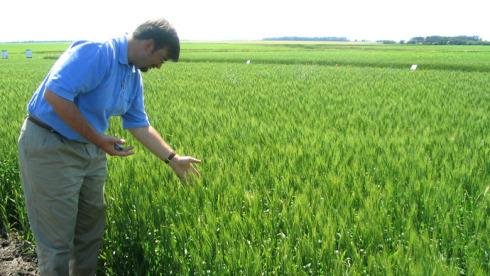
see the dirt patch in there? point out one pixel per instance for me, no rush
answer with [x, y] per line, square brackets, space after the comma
[17, 257]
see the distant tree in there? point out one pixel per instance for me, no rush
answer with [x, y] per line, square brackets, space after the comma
[416, 40]
[386, 41]
[302, 38]
[448, 40]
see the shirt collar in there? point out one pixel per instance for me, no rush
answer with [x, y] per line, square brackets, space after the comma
[122, 45]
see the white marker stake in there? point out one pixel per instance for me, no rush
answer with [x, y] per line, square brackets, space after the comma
[248, 61]
[414, 67]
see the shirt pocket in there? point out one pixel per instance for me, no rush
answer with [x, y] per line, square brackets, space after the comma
[122, 101]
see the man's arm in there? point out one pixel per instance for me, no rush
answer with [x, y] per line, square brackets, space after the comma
[72, 116]
[151, 139]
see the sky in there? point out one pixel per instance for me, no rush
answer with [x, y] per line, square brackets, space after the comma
[214, 20]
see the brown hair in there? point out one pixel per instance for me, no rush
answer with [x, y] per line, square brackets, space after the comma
[162, 33]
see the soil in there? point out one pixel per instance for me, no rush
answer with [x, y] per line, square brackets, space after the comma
[17, 257]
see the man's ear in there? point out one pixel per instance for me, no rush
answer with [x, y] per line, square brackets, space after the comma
[149, 45]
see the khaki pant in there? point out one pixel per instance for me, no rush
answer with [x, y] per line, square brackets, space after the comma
[63, 185]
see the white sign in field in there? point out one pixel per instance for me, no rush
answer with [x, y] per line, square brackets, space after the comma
[28, 53]
[5, 54]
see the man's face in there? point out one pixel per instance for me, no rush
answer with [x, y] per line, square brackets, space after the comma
[152, 58]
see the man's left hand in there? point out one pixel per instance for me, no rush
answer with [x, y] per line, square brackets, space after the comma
[183, 166]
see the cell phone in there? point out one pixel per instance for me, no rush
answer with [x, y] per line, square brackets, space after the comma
[120, 147]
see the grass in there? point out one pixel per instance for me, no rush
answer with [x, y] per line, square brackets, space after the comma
[307, 168]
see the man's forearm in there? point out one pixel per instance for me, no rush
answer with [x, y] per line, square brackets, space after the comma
[72, 116]
[151, 139]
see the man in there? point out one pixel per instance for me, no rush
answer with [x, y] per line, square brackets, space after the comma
[62, 146]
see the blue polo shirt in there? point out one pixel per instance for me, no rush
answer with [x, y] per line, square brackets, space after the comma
[98, 78]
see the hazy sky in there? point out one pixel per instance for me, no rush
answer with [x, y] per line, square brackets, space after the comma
[245, 19]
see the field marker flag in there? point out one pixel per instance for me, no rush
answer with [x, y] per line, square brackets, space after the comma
[414, 67]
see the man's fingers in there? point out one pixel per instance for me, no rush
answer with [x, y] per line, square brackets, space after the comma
[194, 160]
[185, 169]
[183, 177]
[123, 153]
[189, 175]
[196, 171]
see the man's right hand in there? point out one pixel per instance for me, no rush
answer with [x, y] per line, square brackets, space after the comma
[108, 144]
[71, 115]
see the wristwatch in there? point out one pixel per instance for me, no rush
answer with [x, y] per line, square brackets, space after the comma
[170, 157]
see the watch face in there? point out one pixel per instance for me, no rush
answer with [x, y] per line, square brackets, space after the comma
[170, 157]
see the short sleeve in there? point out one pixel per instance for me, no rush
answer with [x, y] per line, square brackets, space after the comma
[79, 70]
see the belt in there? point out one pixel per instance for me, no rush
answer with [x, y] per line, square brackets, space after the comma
[49, 128]
[43, 125]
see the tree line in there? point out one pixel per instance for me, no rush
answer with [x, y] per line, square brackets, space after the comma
[428, 40]
[442, 40]
[302, 38]
[449, 40]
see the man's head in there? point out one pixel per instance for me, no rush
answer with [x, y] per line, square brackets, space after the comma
[153, 43]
